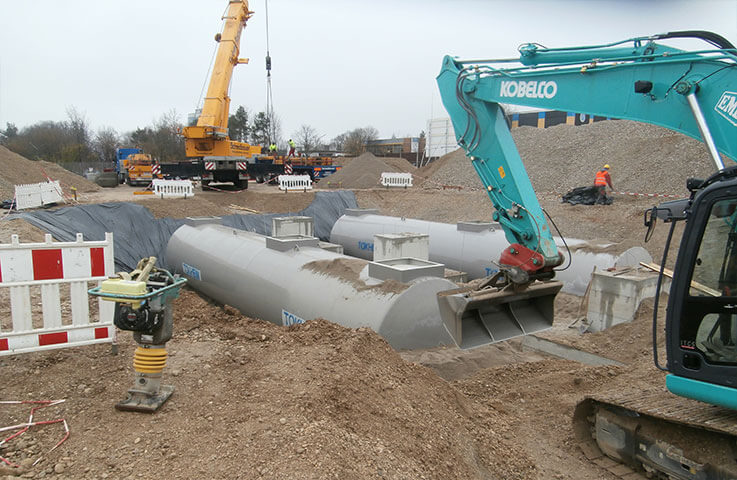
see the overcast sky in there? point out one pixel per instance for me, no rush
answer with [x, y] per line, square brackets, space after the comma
[337, 64]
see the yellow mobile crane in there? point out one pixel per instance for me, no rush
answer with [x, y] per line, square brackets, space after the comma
[207, 139]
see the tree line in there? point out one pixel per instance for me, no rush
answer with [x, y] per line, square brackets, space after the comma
[265, 129]
[74, 141]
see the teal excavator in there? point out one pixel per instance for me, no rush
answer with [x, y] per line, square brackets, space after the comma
[690, 433]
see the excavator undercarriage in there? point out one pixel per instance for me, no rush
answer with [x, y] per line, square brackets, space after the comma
[658, 435]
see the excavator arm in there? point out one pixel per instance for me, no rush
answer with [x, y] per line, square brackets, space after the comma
[692, 92]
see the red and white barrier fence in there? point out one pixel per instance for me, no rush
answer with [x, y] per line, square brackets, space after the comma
[47, 266]
[662, 195]
[396, 179]
[173, 188]
[295, 182]
[38, 194]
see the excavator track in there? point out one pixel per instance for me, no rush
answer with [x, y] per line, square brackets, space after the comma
[658, 435]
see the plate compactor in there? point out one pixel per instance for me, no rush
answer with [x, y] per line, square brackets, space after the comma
[143, 304]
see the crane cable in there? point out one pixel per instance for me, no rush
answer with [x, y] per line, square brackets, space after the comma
[269, 98]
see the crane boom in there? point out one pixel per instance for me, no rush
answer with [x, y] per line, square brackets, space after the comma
[209, 137]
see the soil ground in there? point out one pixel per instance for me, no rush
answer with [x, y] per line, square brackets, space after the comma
[254, 400]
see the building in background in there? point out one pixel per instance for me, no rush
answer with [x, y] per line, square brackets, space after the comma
[441, 138]
[409, 148]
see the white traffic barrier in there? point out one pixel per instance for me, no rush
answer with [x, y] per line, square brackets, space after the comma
[295, 182]
[48, 266]
[395, 179]
[173, 188]
[37, 194]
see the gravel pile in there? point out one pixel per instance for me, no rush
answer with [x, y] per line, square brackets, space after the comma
[365, 171]
[644, 158]
[17, 170]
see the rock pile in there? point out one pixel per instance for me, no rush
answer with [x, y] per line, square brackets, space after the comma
[644, 158]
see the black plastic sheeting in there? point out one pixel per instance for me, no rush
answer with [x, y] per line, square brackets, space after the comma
[586, 196]
[137, 234]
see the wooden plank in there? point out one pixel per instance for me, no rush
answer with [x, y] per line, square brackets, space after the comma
[694, 284]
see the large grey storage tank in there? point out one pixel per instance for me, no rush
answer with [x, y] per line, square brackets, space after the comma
[467, 246]
[287, 282]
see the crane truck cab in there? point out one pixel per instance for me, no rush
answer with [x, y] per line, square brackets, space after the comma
[133, 166]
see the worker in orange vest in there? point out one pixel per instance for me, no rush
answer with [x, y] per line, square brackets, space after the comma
[603, 179]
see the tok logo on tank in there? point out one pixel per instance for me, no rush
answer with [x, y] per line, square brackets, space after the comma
[727, 107]
[531, 89]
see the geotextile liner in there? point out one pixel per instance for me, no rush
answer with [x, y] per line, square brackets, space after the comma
[137, 234]
[586, 196]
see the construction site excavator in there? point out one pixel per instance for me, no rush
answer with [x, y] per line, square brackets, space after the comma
[206, 138]
[690, 433]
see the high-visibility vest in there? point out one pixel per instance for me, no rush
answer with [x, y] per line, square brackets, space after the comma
[600, 180]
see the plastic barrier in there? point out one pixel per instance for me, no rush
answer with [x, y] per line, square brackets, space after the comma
[37, 194]
[394, 179]
[173, 188]
[295, 182]
[48, 266]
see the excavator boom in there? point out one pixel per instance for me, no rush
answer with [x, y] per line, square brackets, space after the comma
[692, 92]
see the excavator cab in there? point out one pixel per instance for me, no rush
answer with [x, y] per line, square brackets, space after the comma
[701, 323]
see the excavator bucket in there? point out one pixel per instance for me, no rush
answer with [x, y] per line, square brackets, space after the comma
[480, 317]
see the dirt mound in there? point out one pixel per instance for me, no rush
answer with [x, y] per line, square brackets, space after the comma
[625, 342]
[400, 164]
[331, 402]
[365, 171]
[644, 158]
[16, 170]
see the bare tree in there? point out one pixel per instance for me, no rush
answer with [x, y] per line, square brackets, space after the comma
[308, 138]
[275, 128]
[356, 140]
[338, 143]
[105, 142]
[80, 149]
[161, 139]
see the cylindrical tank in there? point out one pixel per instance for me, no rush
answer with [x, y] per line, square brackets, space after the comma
[300, 283]
[467, 246]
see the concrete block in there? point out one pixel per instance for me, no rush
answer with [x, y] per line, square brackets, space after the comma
[616, 295]
[289, 226]
[401, 245]
[404, 269]
[194, 221]
[332, 247]
[286, 243]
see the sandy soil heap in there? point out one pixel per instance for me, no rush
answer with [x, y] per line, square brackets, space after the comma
[253, 399]
[16, 170]
[644, 158]
[365, 171]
